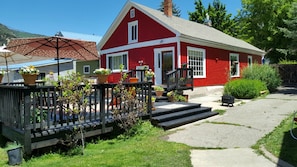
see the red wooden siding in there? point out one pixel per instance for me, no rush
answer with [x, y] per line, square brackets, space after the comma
[217, 64]
[148, 30]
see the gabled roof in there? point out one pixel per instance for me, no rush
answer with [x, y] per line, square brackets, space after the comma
[187, 31]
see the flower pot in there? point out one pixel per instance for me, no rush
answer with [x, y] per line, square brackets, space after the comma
[101, 78]
[133, 80]
[159, 93]
[170, 99]
[29, 79]
[1, 76]
[15, 156]
[149, 79]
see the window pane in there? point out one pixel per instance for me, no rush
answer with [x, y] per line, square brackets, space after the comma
[116, 60]
[196, 61]
[234, 64]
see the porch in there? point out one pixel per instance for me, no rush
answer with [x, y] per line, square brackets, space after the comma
[33, 116]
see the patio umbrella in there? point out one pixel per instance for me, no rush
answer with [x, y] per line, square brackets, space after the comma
[55, 47]
[9, 56]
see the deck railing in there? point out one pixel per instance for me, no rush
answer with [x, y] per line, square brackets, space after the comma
[27, 111]
[180, 79]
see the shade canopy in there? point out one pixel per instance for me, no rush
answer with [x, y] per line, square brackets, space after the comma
[54, 47]
[7, 56]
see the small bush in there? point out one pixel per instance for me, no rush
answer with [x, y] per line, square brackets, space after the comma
[244, 88]
[264, 73]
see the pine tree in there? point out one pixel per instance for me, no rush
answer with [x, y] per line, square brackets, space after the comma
[217, 14]
[290, 31]
[175, 10]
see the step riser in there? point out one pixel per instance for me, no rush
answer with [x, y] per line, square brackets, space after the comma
[163, 112]
[185, 122]
[180, 115]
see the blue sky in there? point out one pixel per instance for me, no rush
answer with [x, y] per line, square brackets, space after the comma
[47, 17]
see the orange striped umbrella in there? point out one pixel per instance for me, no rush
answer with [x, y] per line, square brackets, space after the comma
[54, 47]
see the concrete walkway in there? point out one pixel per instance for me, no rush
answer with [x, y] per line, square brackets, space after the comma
[229, 137]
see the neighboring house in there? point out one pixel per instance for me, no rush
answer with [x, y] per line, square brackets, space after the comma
[84, 67]
[44, 66]
[165, 42]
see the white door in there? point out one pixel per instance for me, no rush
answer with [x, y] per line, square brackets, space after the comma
[163, 62]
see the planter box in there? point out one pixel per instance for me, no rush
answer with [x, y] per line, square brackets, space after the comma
[227, 99]
[15, 156]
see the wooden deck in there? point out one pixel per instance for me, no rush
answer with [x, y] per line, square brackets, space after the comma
[35, 118]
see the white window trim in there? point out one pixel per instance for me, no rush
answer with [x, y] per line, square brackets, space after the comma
[238, 65]
[250, 57]
[117, 54]
[132, 13]
[204, 60]
[130, 25]
[86, 66]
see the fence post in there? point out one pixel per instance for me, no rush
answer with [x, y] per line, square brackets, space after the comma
[102, 106]
[27, 130]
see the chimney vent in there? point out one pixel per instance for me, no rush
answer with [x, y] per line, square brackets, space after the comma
[168, 8]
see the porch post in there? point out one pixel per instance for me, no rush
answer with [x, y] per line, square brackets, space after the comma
[27, 130]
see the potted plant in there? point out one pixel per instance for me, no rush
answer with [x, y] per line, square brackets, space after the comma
[149, 74]
[170, 96]
[102, 74]
[2, 72]
[14, 153]
[159, 90]
[133, 79]
[29, 74]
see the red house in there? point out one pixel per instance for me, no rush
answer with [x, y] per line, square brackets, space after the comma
[141, 35]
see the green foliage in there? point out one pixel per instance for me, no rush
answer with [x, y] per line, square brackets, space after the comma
[290, 30]
[7, 34]
[158, 88]
[131, 109]
[217, 14]
[244, 88]
[175, 10]
[259, 22]
[75, 90]
[280, 143]
[146, 149]
[283, 61]
[264, 73]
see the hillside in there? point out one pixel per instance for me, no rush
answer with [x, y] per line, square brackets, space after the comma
[7, 33]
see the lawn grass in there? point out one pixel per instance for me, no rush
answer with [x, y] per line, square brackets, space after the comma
[280, 143]
[146, 148]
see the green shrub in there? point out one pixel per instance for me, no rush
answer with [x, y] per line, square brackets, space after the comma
[245, 88]
[264, 73]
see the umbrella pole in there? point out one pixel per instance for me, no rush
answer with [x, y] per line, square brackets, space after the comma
[7, 70]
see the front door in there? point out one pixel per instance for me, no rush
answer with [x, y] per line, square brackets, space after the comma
[164, 62]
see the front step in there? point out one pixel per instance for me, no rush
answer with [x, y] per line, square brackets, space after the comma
[171, 115]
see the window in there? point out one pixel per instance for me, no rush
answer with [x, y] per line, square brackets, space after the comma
[115, 60]
[250, 61]
[86, 69]
[133, 32]
[132, 13]
[196, 60]
[234, 65]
